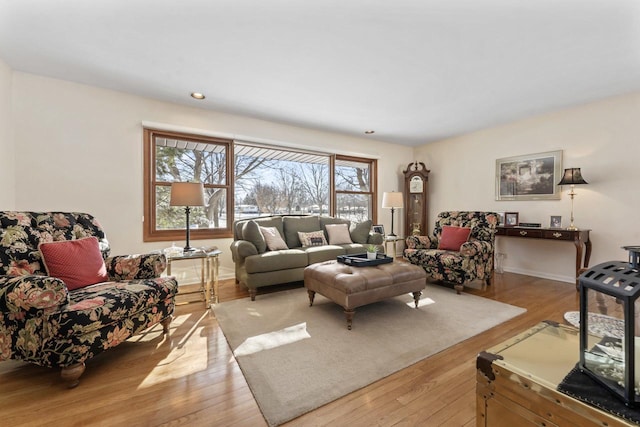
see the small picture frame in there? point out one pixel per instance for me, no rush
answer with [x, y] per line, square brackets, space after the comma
[500, 219]
[379, 228]
[555, 221]
[510, 219]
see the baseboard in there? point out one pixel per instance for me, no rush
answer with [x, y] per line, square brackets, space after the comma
[542, 275]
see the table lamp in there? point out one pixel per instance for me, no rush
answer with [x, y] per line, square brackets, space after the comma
[572, 177]
[187, 194]
[393, 200]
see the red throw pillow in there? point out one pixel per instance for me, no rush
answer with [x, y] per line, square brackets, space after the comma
[78, 263]
[453, 237]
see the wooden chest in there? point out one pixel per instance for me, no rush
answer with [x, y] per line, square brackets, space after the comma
[517, 381]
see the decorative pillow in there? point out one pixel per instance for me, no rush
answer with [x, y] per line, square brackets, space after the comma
[338, 234]
[293, 224]
[78, 263]
[453, 237]
[313, 238]
[251, 233]
[273, 238]
[360, 233]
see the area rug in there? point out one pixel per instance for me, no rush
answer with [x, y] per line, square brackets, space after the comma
[297, 358]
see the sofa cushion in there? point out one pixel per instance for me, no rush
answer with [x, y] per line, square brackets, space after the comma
[326, 220]
[251, 233]
[312, 238]
[77, 263]
[323, 253]
[277, 260]
[293, 224]
[273, 238]
[453, 237]
[360, 233]
[338, 234]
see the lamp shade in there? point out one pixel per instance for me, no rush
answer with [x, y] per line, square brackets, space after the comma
[572, 176]
[392, 199]
[187, 194]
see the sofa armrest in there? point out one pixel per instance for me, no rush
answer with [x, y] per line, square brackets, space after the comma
[421, 242]
[135, 267]
[475, 247]
[240, 249]
[375, 239]
[29, 292]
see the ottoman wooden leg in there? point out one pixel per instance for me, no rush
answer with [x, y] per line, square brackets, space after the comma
[349, 314]
[416, 297]
[312, 295]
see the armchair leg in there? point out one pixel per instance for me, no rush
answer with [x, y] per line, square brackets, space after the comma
[252, 293]
[165, 324]
[71, 374]
[458, 288]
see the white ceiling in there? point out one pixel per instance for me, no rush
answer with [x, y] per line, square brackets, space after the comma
[415, 71]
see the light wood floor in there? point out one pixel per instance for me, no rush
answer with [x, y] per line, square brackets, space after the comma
[191, 377]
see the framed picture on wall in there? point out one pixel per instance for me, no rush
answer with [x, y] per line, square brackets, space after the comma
[529, 177]
[379, 228]
[510, 219]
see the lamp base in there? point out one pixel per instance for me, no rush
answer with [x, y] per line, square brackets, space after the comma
[189, 249]
[392, 235]
[572, 228]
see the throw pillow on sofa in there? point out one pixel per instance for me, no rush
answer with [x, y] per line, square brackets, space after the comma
[293, 224]
[360, 233]
[273, 238]
[78, 263]
[338, 234]
[251, 233]
[313, 238]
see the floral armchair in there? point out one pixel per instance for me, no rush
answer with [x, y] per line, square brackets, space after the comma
[469, 259]
[44, 321]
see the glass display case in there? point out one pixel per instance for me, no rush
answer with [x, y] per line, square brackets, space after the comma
[611, 289]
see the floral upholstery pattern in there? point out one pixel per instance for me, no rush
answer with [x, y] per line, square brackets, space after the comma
[473, 261]
[42, 322]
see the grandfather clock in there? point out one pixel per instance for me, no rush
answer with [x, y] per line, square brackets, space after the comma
[416, 185]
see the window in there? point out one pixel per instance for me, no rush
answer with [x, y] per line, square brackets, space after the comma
[172, 157]
[244, 180]
[354, 188]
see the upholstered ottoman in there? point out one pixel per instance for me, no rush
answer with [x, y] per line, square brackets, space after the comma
[352, 287]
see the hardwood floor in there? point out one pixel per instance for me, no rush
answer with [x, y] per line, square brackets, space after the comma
[191, 377]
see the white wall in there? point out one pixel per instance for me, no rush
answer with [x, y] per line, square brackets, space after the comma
[7, 168]
[80, 148]
[602, 138]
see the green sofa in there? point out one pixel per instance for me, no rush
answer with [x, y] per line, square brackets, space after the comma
[257, 266]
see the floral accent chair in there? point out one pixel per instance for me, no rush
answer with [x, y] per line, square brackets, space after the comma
[468, 259]
[44, 321]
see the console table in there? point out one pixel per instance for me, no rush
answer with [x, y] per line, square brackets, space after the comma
[578, 237]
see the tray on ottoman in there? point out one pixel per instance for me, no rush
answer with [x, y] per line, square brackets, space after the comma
[361, 260]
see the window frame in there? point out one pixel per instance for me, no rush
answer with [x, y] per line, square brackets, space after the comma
[150, 233]
[373, 184]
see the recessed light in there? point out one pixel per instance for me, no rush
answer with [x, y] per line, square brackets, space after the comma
[369, 132]
[197, 95]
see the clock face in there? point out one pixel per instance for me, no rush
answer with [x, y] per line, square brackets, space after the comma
[416, 185]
